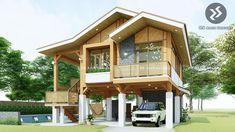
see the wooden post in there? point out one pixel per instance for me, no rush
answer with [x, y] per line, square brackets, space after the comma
[56, 60]
[168, 87]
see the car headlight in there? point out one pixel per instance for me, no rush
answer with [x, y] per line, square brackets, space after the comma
[153, 115]
[133, 115]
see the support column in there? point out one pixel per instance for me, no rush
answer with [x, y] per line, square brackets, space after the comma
[121, 109]
[177, 109]
[56, 59]
[109, 109]
[61, 115]
[82, 109]
[139, 100]
[88, 112]
[55, 115]
[169, 110]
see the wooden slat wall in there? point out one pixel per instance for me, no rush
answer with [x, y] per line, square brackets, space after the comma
[149, 34]
[104, 34]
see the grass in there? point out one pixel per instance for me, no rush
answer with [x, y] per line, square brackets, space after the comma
[37, 128]
[208, 121]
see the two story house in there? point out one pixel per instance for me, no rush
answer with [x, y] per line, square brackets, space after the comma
[124, 52]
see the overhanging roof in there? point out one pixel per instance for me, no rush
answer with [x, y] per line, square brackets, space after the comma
[143, 19]
[90, 31]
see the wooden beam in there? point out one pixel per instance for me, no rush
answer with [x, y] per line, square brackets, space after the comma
[120, 88]
[70, 60]
[85, 90]
[169, 87]
[178, 92]
[138, 92]
[68, 52]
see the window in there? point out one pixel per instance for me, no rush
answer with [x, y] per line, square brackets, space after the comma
[149, 52]
[99, 59]
[149, 106]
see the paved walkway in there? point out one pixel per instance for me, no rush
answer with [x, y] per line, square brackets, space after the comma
[113, 127]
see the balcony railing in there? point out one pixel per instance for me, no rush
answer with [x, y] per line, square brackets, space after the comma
[69, 96]
[62, 97]
[142, 69]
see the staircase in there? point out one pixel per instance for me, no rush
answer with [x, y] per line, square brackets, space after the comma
[69, 111]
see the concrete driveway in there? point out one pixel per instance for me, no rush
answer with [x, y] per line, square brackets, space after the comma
[136, 129]
[113, 127]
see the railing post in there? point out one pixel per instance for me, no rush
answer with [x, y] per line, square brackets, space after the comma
[130, 70]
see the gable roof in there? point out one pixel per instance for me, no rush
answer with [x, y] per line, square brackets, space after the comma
[143, 19]
[136, 23]
[91, 30]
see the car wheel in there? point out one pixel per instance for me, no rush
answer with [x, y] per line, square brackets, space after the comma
[158, 123]
[134, 124]
[164, 121]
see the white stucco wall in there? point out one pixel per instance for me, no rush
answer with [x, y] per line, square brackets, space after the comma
[99, 77]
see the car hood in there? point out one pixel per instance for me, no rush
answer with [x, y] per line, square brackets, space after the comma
[146, 112]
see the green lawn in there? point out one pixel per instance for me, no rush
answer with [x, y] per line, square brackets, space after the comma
[209, 122]
[37, 128]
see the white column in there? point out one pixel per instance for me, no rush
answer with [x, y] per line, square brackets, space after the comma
[87, 107]
[55, 115]
[121, 109]
[82, 109]
[139, 100]
[177, 109]
[61, 115]
[109, 109]
[169, 110]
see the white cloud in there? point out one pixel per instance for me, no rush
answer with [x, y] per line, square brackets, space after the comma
[28, 27]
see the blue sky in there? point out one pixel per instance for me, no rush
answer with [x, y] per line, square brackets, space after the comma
[30, 24]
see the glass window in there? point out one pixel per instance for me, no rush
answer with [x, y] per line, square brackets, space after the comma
[149, 106]
[99, 59]
[148, 52]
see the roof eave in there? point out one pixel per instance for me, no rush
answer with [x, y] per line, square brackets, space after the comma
[86, 30]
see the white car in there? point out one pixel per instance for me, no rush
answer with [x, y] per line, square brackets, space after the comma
[150, 112]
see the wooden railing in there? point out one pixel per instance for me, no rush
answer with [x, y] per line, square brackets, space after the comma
[69, 96]
[142, 69]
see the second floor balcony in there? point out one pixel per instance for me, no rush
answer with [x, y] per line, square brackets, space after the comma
[142, 69]
[147, 69]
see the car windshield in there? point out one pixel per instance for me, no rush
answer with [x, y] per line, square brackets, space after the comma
[149, 106]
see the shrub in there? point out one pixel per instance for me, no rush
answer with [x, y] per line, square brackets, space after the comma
[26, 110]
[10, 121]
[95, 70]
[185, 115]
[90, 117]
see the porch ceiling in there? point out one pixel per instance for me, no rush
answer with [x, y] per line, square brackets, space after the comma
[132, 88]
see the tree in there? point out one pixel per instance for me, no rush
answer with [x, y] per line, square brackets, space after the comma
[204, 87]
[5, 50]
[27, 80]
[36, 78]
[203, 60]
[226, 45]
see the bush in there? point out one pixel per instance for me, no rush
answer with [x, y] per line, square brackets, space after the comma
[10, 121]
[95, 70]
[185, 115]
[26, 110]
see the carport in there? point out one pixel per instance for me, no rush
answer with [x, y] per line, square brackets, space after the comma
[166, 92]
